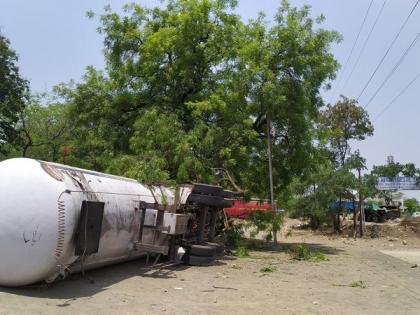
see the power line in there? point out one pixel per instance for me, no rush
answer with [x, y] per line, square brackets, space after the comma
[365, 43]
[389, 48]
[352, 49]
[413, 43]
[396, 97]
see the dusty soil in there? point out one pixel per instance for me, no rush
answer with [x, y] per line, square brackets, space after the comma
[390, 283]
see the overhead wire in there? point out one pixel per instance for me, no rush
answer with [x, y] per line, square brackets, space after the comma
[352, 50]
[397, 96]
[413, 43]
[365, 43]
[389, 48]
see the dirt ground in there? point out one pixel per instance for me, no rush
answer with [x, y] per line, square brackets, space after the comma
[367, 276]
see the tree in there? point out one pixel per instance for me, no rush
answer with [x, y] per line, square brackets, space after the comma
[343, 122]
[411, 205]
[187, 88]
[282, 68]
[315, 197]
[13, 90]
[392, 170]
[42, 130]
[395, 169]
[164, 62]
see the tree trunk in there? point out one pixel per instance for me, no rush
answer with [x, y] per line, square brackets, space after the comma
[337, 226]
[360, 205]
[354, 219]
[314, 223]
[25, 149]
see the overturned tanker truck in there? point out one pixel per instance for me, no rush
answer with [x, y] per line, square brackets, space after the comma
[56, 220]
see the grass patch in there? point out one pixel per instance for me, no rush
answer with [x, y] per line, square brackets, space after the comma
[318, 257]
[267, 269]
[241, 252]
[358, 284]
[301, 252]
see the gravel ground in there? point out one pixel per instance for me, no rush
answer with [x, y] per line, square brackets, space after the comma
[360, 276]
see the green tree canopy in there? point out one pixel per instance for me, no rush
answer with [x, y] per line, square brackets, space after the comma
[13, 90]
[343, 122]
[42, 130]
[188, 87]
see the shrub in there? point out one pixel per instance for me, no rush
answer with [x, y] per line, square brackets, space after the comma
[264, 221]
[301, 252]
[358, 284]
[241, 252]
[268, 269]
[234, 235]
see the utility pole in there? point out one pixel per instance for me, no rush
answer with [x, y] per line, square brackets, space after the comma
[270, 172]
[361, 216]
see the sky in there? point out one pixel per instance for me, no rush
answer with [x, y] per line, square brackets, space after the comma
[55, 42]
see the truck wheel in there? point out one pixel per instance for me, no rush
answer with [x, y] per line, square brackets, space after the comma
[212, 201]
[202, 250]
[220, 249]
[198, 260]
[207, 190]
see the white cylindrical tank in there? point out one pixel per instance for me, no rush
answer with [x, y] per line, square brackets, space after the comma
[40, 206]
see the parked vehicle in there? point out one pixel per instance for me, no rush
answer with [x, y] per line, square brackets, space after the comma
[241, 209]
[375, 213]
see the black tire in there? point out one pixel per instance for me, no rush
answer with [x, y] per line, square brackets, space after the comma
[227, 203]
[207, 190]
[220, 249]
[198, 260]
[201, 250]
[205, 200]
[227, 194]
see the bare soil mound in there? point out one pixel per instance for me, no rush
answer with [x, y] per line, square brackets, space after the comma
[407, 227]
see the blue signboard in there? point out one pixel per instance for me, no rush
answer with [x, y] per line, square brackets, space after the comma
[397, 183]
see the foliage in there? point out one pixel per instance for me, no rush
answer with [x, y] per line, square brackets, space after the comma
[187, 88]
[234, 235]
[395, 169]
[343, 122]
[331, 177]
[42, 130]
[241, 252]
[411, 205]
[268, 269]
[334, 180]
[160, 99]
[301, 252]
[264, 221]
[13, 90]
[283, 67]
[314, 195]
[358, 284]
[368, 187]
